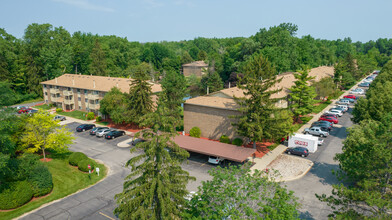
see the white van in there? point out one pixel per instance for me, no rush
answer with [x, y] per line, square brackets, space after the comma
[345, 107]
[346, 102]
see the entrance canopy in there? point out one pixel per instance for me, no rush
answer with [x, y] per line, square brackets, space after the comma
[214, 148]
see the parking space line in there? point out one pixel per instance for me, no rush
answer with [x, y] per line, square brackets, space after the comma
[106, 216]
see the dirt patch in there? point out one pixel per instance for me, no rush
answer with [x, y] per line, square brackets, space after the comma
[289, 167]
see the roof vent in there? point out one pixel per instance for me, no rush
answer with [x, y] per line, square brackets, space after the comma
[56, 80]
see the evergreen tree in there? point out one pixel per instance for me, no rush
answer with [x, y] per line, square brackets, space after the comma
[202, 55]
[212, 81]
[302, 94]
[98, 61]
[259, 117]
[139, 98]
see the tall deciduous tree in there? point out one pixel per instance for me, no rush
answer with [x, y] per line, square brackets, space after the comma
[259, 115]
[325, 87]
[302, 94]
[98, 61]
[42, 132]
[237, 193]
[114, 105]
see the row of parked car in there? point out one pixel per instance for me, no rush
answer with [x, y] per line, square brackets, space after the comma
[106, 132]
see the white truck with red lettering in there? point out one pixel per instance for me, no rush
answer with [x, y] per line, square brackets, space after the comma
[307, 141]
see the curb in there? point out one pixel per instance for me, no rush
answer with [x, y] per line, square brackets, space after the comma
[125, 144]
[299, 176]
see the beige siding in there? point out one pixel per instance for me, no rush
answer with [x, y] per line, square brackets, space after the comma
[213, 122]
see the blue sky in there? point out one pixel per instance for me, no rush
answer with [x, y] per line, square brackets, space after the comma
[173, 20]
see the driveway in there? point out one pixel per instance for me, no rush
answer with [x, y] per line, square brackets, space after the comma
[319, 179]
[97, 202]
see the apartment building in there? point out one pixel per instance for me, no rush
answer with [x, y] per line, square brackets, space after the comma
[84, 92]
[198, 68]
[212, 113]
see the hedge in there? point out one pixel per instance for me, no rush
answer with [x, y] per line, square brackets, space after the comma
[15, 194]
[224, 139]
[195, 132]
[41, 181]
[98, 119]
[83, 165]
[237, 141]
[59, 110]
[90, 116]
[75, 157]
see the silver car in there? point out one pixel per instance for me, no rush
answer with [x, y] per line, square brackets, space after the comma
[102, 132]
[317, 131]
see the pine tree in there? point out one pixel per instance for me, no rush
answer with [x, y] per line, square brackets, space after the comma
[139, 98]
[260, 118]
[302, 94]
[212, 82]
[98, 60]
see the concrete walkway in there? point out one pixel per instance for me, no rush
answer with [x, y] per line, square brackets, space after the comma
[262, 163]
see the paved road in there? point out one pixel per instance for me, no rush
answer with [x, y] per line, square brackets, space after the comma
[319, 180]
[98, 201]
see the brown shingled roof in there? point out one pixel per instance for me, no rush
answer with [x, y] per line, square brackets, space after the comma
[102, 83]
[197, 63]
[214, 148]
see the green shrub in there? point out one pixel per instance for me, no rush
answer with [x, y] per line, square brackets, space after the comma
[15, 194]
[59, 109]
[75, 157]
[224, 139]
[306, 119]
[83, 165]
[41, 181]
[90, 116]
[195, 132]
[237, 141]
[98, 119]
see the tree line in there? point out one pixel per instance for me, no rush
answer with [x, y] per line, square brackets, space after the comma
[46, 52]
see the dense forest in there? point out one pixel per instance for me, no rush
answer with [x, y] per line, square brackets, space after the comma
[46, 52]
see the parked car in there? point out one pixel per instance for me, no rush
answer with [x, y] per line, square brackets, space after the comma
[84, 127]
[320, 141]
[317, 131]
[358, 91]
[215, 160]
[350, 100]
[102, 132]
[345, 107]
[301, 151]
[323, 124]
[20, 107]
[114, 133]
[334, 112]
[24, 110]
[97, 129]
[32, 111]
[59, 118]
[329, 115]
[343, 101]
[364, 84]
[343, 110]
[330, 119]
[350, 97]
[136, 141]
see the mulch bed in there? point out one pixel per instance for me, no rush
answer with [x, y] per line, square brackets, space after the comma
[46, 159]
[124, 126]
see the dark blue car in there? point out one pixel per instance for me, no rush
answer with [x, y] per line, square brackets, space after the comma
[84, 127]
[300, 151]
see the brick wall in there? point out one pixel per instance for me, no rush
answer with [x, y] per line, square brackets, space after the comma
[213, 122]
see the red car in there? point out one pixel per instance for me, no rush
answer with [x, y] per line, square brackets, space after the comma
[24, 110]
[330, 119]
[329, 115]
[350, 97]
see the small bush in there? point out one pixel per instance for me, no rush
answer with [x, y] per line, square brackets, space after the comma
[59, 110]
[15, 194]
[83, 165]
[195, 132]
[224, 139]
[98, 119]
[90, 116]
[75, 157]
[238, 142]
[41, 181]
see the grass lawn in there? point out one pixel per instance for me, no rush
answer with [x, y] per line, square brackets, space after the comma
[320, 107]
[66, 180]
[74, 114]
[30, 101]
[105, 123]
[43, 107]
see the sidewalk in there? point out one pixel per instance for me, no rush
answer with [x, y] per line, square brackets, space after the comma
[262, 163]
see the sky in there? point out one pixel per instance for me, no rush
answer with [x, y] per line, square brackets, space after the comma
[175, 20]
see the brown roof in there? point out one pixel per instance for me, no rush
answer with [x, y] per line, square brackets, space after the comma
[196, 63]
[102, 83]
[223, 98]
[214, 148]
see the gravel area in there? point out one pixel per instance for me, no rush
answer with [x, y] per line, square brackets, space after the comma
[289, 167]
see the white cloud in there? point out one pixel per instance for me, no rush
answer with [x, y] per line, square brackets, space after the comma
[85, 4]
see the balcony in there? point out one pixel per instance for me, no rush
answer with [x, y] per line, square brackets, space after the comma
[68, 93]
[69, 101]
[54, 91]
[93, 106]
[56, 99]
[93, 96]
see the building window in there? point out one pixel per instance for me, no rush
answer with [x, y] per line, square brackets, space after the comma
[86, 100]
[50, 86]
[97, 101]
[80, 107]
[95, 92]
[85, 91]
[78, 91]
[44, 86]
[46, 93]
[79, 99]
[69, 88]
[58, 94]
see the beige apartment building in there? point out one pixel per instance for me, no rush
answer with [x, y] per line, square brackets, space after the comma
[211, 113]
[84, 92]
